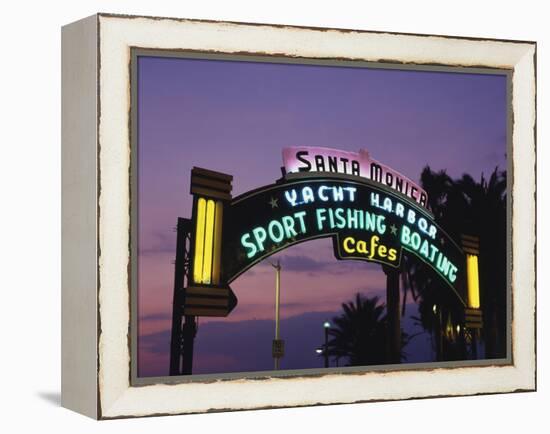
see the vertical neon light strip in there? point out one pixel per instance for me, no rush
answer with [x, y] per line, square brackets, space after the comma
[473, 281]
[199, 240]
[217, 243]
[208, 242]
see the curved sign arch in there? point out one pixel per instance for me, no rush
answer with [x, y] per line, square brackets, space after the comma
[366, 221]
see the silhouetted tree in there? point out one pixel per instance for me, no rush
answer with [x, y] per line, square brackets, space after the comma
[359, 333]
[485, 212]
[476, 208]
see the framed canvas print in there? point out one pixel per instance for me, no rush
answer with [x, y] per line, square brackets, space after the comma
[260, 216]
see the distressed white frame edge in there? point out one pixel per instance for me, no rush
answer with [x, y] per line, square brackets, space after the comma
[79, 99]
[116, 397]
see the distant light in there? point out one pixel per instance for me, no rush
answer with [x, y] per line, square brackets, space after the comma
[458, 328]
[326, 324]
[319, 350]
[434, 308]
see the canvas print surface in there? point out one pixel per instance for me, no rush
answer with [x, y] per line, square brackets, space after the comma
[314, 216]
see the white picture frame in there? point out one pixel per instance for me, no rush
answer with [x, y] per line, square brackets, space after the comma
[96, 155]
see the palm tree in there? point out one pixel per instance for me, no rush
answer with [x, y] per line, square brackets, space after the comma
[476, 208]
[486, 212]
[359, 333]
[436, 304]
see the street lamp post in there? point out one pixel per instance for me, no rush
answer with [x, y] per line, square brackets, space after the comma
[278, 345]
[326, 326]
[437, 312]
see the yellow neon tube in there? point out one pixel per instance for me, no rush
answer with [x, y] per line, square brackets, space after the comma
[217, 243]
[473, 281]
[199, 240]
[208, 242]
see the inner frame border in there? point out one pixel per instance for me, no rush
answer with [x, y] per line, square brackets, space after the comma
[136, 52]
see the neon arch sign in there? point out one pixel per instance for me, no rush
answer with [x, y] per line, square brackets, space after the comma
[369, 211]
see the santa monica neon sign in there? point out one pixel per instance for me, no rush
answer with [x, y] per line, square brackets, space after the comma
[320, 160]
[371, 213]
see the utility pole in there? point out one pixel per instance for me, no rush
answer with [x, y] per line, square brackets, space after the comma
[278, 348]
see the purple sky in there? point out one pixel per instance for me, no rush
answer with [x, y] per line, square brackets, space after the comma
[235, 117]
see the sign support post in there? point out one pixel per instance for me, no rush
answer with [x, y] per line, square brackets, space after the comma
[393, 315]
[180, 339]
[198, 286]
[189, 333]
